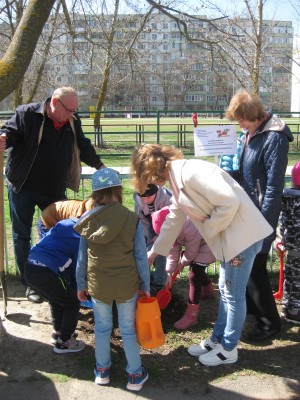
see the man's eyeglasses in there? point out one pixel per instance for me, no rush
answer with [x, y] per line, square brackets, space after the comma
[67, 109]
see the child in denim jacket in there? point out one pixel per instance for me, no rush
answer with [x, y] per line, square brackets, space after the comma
[112, 266]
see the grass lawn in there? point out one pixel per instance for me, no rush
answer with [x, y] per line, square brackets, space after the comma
[120, 137]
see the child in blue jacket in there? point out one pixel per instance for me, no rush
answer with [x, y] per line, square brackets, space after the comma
[50, 271]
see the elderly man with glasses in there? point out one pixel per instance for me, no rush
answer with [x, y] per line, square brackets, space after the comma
[45, 145]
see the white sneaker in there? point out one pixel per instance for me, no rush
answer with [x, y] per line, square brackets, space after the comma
[219, 356]
[204, 347]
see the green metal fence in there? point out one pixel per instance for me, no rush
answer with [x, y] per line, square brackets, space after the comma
[116, 137]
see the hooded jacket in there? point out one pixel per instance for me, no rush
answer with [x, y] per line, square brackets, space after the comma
[112, 272]
[196, 249]
[58, 250]
[262, 170]
[162, 199]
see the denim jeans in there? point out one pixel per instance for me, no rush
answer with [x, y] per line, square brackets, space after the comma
[22, 208]
[103, 327]
[233, 279]
[160, 273]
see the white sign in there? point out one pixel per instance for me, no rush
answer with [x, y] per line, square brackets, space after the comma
[215, 140]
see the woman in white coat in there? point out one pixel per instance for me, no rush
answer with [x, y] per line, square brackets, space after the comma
[228, 221]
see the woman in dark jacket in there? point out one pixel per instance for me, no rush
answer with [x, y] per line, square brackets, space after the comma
[263, 163]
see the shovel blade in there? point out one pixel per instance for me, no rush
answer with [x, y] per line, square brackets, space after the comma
[163, 298]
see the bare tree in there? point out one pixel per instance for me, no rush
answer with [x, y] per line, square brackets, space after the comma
[17, 57]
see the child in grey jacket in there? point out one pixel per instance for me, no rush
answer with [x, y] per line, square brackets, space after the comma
[153, 199]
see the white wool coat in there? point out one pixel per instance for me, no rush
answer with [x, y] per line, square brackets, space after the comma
[202, 189]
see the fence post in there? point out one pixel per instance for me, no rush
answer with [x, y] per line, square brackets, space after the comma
[158, 126]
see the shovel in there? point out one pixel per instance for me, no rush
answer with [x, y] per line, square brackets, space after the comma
[2, 272]
[278, 295]
[164, 296]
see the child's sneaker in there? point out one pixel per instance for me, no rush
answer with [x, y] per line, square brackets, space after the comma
[208, 291]
[219, 356]
[135, 382]
[55, 335]
[70, 346]
[101, 376]
[204, 347]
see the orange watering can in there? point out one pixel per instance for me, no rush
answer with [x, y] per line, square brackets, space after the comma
[148, 323]
[164, 296]
[280, 247]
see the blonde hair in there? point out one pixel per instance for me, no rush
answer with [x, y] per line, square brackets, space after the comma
[150, 162]
[63, 91]
[246, 106]
[107, 196]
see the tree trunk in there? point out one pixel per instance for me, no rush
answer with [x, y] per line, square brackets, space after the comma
[18, 94]
[255, 71]
[40, 71]
[106, 73]
[17, 58]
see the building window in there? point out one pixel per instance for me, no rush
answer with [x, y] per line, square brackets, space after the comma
[194, 97]
[211, 98]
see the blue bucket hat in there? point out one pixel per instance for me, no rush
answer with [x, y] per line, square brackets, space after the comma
[105, 178]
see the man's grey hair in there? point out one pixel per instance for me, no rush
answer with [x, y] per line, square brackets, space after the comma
[64, 91]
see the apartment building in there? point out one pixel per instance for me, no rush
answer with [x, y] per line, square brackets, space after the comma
[158, 68]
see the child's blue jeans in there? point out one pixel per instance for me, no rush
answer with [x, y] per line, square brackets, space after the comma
[103, 328]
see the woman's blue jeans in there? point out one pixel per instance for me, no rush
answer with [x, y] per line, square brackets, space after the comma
[103, 328]
[233, 280]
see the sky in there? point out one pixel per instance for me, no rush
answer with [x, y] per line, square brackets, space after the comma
[283, 10]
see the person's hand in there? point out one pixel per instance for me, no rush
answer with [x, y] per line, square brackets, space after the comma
[3, 142]
[142, 293]
[82, 295]
[151, 257]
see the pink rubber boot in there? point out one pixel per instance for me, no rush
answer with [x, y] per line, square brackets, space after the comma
[208, 291]
[190, 317]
